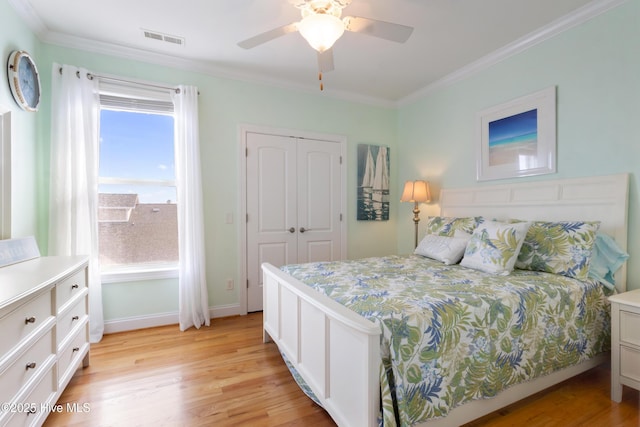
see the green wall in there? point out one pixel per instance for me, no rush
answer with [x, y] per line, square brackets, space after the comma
[595, 66]
[596, 69]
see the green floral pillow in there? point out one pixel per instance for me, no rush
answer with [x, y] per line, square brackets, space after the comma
[563, 247]
[447, 226]
[494, 247]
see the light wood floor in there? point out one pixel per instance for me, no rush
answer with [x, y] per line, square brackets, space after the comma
[224, 375]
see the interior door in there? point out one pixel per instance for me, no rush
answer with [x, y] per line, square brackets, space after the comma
[319, 213]
[271, 208]
[293, 204]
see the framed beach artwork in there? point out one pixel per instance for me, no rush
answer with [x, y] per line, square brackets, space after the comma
[517, 138]
[373, 183]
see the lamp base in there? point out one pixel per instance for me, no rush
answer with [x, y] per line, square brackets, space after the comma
[416, 220]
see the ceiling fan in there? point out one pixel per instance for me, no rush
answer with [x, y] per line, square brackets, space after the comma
[322, 25]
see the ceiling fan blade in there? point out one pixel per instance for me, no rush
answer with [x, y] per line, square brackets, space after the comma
[384, 30]
[268, 36]
[325, 61]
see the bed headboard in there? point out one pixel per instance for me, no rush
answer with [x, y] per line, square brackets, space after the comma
[600, 198]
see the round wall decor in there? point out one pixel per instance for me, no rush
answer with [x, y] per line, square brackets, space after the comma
[24, 80]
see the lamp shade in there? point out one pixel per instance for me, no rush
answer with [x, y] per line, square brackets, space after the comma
[321, 30]
[416, 191]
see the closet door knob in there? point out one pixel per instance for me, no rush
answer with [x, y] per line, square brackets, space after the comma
[292, 230]
[302, 229]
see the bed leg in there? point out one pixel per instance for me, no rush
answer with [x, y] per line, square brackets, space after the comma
[266, 338]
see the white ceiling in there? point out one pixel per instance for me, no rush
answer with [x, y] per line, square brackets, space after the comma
[450, 37]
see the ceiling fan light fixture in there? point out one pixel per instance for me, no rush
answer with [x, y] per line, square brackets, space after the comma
[321, 30]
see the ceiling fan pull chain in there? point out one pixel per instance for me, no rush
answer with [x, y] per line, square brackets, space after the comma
[320, 78]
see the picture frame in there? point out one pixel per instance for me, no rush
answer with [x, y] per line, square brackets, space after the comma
[5, 173]
[13, 251]
[373, 183]
[517, 138]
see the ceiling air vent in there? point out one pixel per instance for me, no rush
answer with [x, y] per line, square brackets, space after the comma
[155, 35]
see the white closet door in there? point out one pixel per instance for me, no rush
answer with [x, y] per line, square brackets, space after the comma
[294, 193]
[318, 201]
[271, 208]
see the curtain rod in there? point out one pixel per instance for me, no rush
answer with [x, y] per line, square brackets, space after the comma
[114, 79]
[91, 76]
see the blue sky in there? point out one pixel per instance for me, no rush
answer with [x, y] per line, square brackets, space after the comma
[138, 146]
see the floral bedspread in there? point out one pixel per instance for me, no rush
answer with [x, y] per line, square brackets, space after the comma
[451, 334]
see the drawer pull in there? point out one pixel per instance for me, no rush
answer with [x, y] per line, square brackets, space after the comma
[31, 365]
[29, 320]
[75, 286]
[75, 349]
[74, 318]
[32, 410]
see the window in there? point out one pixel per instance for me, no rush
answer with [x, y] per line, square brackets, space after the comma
[137, 206]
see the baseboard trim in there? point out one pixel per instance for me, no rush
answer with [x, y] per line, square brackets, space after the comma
[162, 319]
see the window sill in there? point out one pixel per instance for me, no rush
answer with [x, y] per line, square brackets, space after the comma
[139, 274]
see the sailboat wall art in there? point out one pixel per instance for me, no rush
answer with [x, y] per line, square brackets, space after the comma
[373, 182]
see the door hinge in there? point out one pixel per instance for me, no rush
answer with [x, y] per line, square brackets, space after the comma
[340, 217]
[247, 283]
[340, 159]
[247, 218]
[246, 152]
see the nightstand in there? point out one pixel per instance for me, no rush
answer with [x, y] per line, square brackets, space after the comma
[625, 342]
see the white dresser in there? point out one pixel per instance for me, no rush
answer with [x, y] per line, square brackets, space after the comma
[625, 342]
[44, 334]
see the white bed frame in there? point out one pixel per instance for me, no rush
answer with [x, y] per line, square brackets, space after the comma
[337, 351]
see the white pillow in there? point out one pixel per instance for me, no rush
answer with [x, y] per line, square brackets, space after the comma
[448, 250]
[494, 247]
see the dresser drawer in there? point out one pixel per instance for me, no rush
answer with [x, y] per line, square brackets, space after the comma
[630, 363]
[38, 403]
[69, 359]
[629, 328]
[66, 289]
[24, 320]
[25, 367]
[75, 316]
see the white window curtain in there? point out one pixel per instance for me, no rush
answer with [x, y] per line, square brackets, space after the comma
[73, 192]
[193, 295]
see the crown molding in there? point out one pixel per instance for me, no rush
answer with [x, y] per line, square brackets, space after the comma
[29, 16]
[580, 16]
